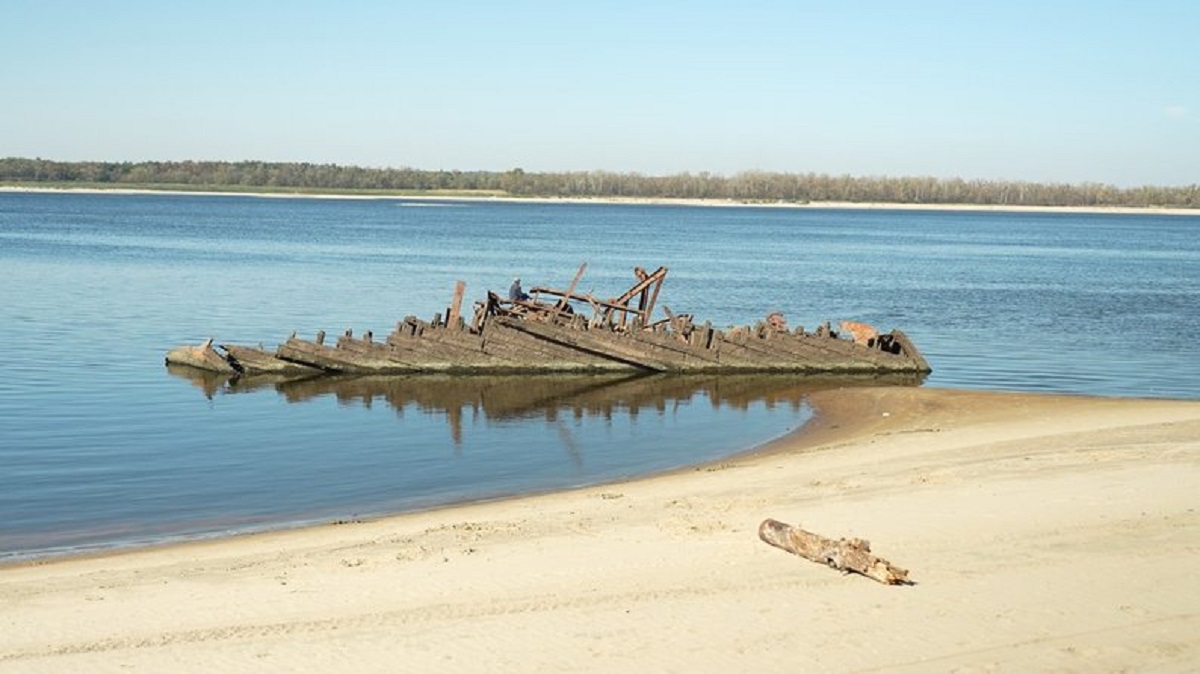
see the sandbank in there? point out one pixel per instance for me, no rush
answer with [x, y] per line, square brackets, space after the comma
[1042, 533]
[647, 201]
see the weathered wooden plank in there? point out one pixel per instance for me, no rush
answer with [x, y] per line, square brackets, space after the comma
[347, 359]
[814, 353]
[605, 344]
[503, 336]
[673, 350]
[562, 303]
[254, 360]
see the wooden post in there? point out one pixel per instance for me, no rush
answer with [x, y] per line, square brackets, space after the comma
[649, 308]
[843, 555]
[456, 303]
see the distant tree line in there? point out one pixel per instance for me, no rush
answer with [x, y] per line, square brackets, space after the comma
[749, 186]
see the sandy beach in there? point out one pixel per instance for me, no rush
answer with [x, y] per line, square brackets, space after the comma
[646, 201]
[1042, 533]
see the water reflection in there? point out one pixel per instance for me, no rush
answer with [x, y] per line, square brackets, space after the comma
[546, 397]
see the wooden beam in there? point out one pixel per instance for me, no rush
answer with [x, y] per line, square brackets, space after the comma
[456, 304]
[620, 304]
[646, 280]
[590, 299]
[649, 309]
[562, 303]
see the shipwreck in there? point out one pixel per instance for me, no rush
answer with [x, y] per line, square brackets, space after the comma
[562, 330]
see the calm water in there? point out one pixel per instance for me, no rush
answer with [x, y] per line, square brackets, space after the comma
[101, 445]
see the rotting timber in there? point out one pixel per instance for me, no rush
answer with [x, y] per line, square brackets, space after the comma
[555, 330]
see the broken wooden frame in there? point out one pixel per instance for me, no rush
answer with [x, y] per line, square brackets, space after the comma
[613, 312]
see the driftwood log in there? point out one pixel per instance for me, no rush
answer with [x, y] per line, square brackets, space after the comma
[853, 555]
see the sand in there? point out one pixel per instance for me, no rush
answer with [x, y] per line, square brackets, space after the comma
[1043, 533]
[650, 201]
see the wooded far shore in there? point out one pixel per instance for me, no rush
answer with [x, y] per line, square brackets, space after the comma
[745, 187]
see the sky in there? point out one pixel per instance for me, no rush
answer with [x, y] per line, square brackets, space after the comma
[1062, 91]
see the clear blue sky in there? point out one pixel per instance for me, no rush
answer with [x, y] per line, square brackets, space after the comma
[1040, 90]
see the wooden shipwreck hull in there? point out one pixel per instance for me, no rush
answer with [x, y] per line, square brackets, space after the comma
[564, 331]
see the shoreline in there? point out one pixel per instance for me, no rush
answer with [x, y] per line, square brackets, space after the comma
[1042, 531]
[641, 201]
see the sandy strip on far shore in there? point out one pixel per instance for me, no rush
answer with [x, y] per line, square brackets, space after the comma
[1043, 533]
[842, 205]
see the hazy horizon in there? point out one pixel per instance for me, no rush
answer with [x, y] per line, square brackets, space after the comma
[1068, 92]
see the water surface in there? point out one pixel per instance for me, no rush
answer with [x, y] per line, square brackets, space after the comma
[101, 445]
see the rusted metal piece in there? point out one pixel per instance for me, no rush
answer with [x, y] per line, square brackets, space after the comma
[861, 333]
[776, 321]
[576, 332]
